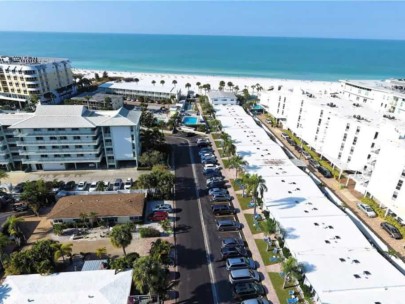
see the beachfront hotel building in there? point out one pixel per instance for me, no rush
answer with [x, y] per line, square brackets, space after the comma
[99, 101]
[50, 79]
[222, 98]
[138, 89]
[69, 137]
[349, 134]
[381, 95]
[340, 264]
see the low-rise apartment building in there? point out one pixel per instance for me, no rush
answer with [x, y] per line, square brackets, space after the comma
[148, 91]
[69, 137]
[99, 101]
[50, 79]
[222, 98]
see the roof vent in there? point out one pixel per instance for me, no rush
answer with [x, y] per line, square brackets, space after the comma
[342, 260]
[327, 242]
[356, 276]
[356, 262]
[316, 224]
[366, 272]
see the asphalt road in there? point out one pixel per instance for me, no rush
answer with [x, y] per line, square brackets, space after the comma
[195, 281]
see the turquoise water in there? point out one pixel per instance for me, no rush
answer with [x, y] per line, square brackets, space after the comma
[190, 120]
[296, 58]
[257, 107]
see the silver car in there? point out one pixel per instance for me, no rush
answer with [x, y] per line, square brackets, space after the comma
[366, 209]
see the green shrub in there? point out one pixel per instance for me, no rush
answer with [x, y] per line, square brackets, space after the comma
[149, 232]
[144, 168]
[286, 252]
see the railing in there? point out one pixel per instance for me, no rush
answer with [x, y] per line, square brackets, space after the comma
[74, 159]
[59, 151]
[61, 133]
[58, 141]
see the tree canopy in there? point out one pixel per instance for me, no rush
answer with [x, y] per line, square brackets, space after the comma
[121, 236]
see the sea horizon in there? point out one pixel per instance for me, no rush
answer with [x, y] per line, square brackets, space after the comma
[323, 59]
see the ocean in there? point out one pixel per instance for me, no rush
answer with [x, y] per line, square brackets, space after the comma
[287, 58]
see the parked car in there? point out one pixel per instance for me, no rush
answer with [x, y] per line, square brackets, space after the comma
[231, 252]
[228, 225]
[220, 198]
[392, 230]
[211, 166]
[69, 186]
[306, 155]
[107, 186]
[205, 151]
[214, 175]
[248, 290]
[243, 276]
[209, 161]
[58, 186]
[163, 207]
[240, 263]
[223, 210]
[313, 163]
[232, 242]
[215, 184]
[202, 142]
[208, 156]
[211, 171]
[285, 135]
[20, 207]
[215, 179]
[256, 301]
[93, 186]
[81, 186]
[19, 188]
[157, 216]
[366, 209]
[117, 184]
[128, 183]
[217, 191]
[325, 172]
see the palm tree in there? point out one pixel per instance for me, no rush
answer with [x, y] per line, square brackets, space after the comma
[237, 162]
[160, 250]
[269, 226]
[198, 83]
[84, 217]
[136, 80]
[244, 179]
[100, 186]
[3, 174]
[230, 85]
[13, 224]
[253, 88]
[100, 252]
[174, 82]
[236, 89]
[153, 82]
[93, 217]
[61, 250]
[121, 236]
[162, 82]
[291, 268]
[215, 125]
[188, 86]
[258, 187]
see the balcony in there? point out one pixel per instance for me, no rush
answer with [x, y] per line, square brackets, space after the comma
[61, 133]
[48, 142]
[72, 159]
[60, 151]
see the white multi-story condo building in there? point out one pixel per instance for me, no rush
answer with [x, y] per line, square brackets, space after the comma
[50, 79]
[386, 96]
[69, 137]
[222, 98]
[148, 91]
[350, 134]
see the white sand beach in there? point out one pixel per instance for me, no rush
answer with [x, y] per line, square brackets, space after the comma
[241, 82]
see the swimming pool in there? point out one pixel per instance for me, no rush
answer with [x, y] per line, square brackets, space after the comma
[257, 107]
[190, 120]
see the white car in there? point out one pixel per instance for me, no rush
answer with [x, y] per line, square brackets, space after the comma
[128, 184]
[93, 187]
[211, 166]
[217, 191]
[106, 185]
[366, 209]
[81, 186]
[163, 207]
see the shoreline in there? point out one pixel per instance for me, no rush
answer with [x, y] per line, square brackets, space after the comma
[241, 81]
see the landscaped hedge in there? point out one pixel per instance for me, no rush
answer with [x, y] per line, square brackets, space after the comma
[149, 232]
[381, 213]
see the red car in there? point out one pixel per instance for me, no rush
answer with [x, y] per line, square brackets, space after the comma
[157, 216]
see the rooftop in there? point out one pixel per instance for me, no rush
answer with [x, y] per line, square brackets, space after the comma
[390, 85]
[140, 86]
[69, 116]
[28, 60]
[98, 286]
[98, 97]
[339, 262]
[105, 205]
[221, 94]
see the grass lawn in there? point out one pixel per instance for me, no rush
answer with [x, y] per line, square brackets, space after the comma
[277, 280]
[235, 186]
[216, 136]
[244, 201]
[253, 229]
[218, 143]
[266, 255]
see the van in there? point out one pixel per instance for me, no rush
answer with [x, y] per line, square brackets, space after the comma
[243, 276]
[240, 263]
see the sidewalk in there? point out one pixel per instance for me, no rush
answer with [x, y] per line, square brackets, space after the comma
[347, 195]
[250, 238]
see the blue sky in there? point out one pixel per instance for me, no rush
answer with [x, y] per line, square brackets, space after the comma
[348, 19]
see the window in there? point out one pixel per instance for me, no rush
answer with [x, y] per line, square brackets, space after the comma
[372, 145]
[76, 137]
[354, 140]
[44, 155]
[63, 137]
[57, 155]
[394, 195]
[340, 155]
[80, 155]
[349, 159]
[376, 135]
[399, 185]
[65, 147]
[51, 129]
[39, 138]
[41, 147]
[52, 138]
[66, 155]
[36, 130]
[403, 173]
[78, 146]
[75, 129]
[61, 129]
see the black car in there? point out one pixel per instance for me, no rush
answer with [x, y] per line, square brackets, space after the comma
[223, 209]
[19, 188]
[392, 230]
[232, 242]
[313, 163]
[69, 186]
[233, 252]
[325, 172]
[248, 290]
[216, 184]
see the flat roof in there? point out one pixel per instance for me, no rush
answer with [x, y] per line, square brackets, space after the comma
[167, 88]
[105, 205]
[70, 116]
[98, 286]
[318, 233]
[379, 85]
[221, 94]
